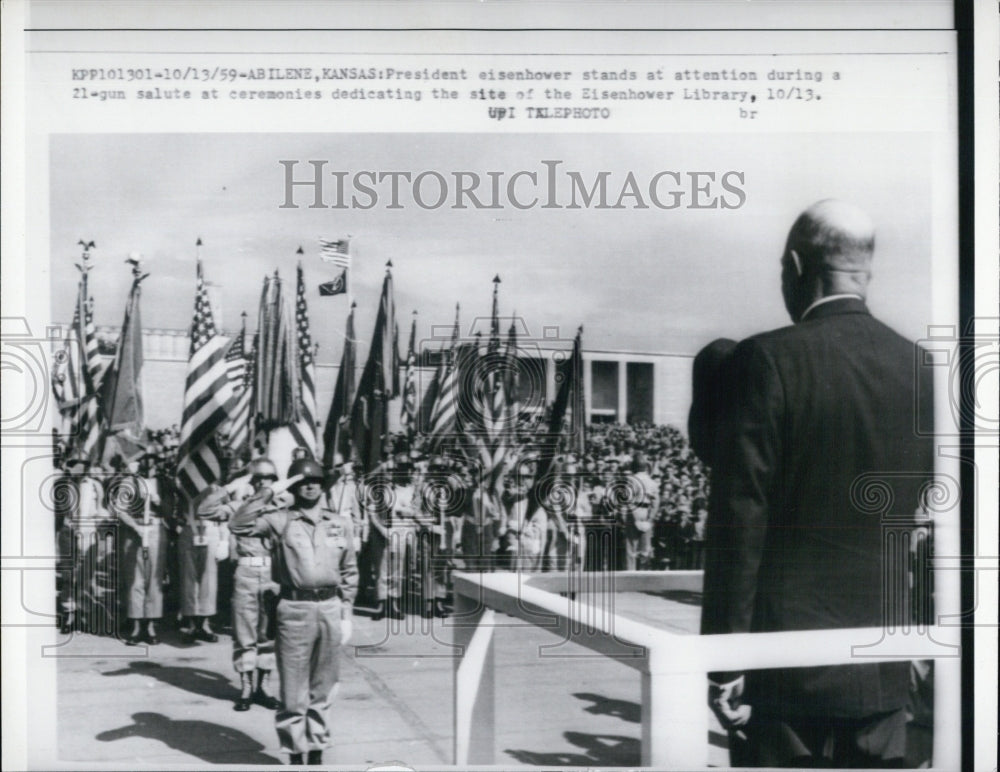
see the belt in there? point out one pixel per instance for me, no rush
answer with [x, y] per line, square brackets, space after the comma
[318, 594]
[259, 561]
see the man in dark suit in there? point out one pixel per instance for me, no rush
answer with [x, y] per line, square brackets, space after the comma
[822, 413]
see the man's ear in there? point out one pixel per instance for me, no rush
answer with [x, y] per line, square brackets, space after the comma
[798, 262]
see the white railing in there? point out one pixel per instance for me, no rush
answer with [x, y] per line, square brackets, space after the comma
[673, 666]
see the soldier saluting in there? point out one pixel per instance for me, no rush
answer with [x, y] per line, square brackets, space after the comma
[315, 565]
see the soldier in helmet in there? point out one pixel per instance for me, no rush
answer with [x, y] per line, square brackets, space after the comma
[254, 596]
[316, 568]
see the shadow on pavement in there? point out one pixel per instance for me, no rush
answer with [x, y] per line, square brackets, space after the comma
[208, 741]
[686, 597]
[606, 706]
[608, 750]
[191, 679]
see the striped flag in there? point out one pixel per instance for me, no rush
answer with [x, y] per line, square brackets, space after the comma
[277, 372]
[444, 414]
[89, 428]
[490, 438]
[336, 434]
[240, 370]
[304, 430]
[369, 414]
[236, 359]
[69, 374]
[336, 252]
[77, 374]
[208, 398]
[408, 412]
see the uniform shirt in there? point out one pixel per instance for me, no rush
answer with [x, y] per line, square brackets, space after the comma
[342, 498]
[247, 545]
[311, 550]
[647, 496]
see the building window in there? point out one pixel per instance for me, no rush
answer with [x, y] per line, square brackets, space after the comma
[639, 392]
[604, 392]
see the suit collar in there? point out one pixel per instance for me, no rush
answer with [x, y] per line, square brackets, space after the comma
[846, 305]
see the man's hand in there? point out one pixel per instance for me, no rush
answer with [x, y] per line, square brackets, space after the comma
[346, 628]
[726, 703]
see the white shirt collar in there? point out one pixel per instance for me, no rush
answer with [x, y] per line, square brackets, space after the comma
[827, 299]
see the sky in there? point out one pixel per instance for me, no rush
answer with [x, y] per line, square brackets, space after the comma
[637, 280]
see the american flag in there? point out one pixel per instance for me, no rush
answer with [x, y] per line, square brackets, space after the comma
[208, 399]
[443, 419]
[240, 370]
[490, 438]
[236, 360]
[408, 412]
[304, 430]
[77, 375]
[336, 252]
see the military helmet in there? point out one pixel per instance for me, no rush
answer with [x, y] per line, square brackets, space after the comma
[308, 468]
[263, 467]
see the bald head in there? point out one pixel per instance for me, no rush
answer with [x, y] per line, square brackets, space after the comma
[828, 252]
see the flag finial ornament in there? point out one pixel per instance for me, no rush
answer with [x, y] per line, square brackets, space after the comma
[388, 264]
[198, 242]
[496, 279]
[300, 251]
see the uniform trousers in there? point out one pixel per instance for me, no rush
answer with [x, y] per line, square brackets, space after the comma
[199, 573]
[386, 556]
[638, 545]
[254, 596]
[308, 649]
[143, 571]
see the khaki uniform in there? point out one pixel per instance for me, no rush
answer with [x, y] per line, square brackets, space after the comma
[198, 545]
[639, 521]
[255, 594]
[316, 567]
[144, 556]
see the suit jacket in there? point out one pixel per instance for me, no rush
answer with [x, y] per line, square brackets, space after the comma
[820, 449]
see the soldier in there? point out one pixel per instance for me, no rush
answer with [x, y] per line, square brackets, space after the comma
[200, 543]
[643, 504]
[342, 497]
[136, 503]
[80, 501]
[254, 596]
[315, 565]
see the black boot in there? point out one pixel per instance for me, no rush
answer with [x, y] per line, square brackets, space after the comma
[379, 611]
[242, 703]
[440, 611]
[150, 635]
[203, 631]
[295, 759]
[134, 637]
[395, 612]
[314, 757]
[260, 695]
[68, 623]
